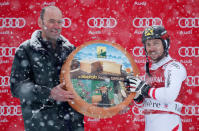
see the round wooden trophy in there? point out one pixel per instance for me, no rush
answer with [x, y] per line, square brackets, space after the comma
[95, 72]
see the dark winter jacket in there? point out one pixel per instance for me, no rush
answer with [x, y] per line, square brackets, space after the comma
[35, 71]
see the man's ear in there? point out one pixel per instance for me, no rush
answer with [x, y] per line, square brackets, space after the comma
[40, 22]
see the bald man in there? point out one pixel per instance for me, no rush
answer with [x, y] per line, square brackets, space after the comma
[35, 77]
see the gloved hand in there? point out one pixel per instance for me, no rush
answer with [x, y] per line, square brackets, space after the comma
[141, 88]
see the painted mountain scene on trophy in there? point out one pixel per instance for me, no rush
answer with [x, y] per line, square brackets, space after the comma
[98, 73]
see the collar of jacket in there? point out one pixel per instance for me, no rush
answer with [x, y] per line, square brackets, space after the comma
[35, 41]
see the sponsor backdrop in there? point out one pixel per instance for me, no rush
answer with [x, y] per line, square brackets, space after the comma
[118, 21]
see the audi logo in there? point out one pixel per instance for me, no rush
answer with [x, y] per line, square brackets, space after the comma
[188, 51]
[67, 22]
[188, 22]
[12, 22]
[146, 22]
[190, 110]
[10, 110]
[137, 111]
[138, 51]
[192, 81]
[7, 51]
[186, 110]
[5, 81]
[101, 22]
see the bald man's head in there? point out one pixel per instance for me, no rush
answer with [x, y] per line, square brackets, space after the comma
[48, 8]
[50, 22]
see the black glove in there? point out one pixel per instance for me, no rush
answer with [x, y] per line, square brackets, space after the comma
[138, 98]
[138, 86]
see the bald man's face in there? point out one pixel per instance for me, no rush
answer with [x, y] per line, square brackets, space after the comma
[52, 24]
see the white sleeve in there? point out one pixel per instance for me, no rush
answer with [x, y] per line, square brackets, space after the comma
[174, 74]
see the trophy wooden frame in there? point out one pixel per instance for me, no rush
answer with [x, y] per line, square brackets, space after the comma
[76, 73]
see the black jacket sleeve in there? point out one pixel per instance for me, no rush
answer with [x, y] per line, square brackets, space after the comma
[21, 82]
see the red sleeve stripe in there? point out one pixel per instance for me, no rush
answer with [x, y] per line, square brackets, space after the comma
[151, 92]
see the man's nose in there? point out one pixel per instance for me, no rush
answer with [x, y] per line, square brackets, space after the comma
[151, 48]
[58, 24]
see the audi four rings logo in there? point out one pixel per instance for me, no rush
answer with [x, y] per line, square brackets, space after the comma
[67, 22]
[12, 22]
[192, 81]
[138, 51]
[186, 110]
[190, 110]
[10, 110]
[137, 111]
[188, 51]
[101, 22]
[7, 51]
[5, 81]
[146, 22]
[188, 22]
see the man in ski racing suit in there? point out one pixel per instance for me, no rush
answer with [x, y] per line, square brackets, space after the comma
[162, 94]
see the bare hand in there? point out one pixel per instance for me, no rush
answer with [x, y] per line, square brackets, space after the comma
[60, 94]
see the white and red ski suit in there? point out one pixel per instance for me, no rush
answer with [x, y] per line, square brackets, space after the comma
[163, 108]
